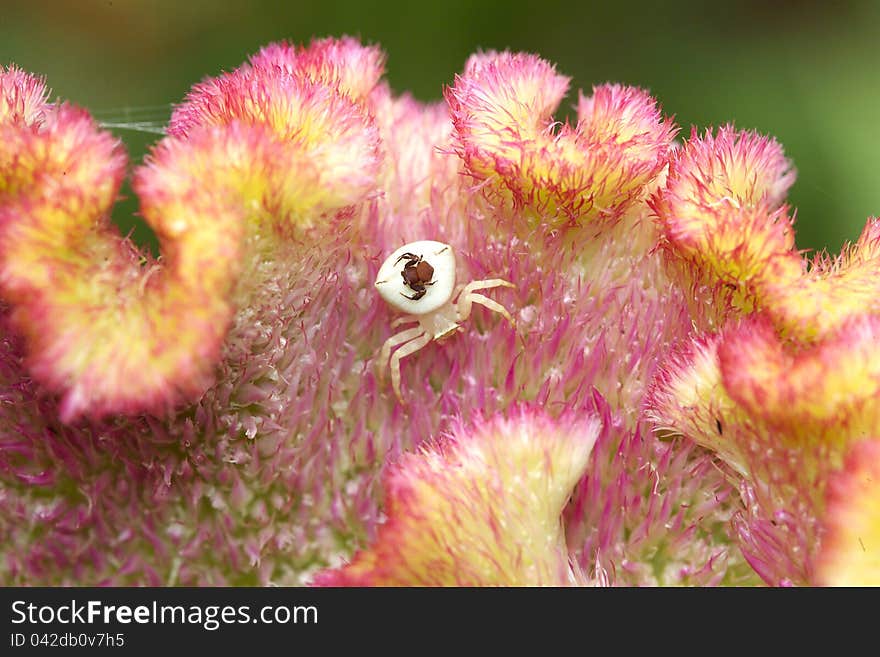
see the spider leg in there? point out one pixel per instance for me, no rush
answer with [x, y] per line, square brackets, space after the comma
[468, 296]
[408, 256]
[406, 319]
[485, 285]
[393, 341]
[403, 352]
[475, 297]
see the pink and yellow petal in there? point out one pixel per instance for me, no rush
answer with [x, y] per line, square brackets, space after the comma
[344, 63]
[107, 333]
[824, 391]
[107, 328]
[502, 109]
[331, 141]
[480, 507]
[23, 97]
[850, 553]
[830, 293]
[744, 167]
[721, 217]
[687, 398]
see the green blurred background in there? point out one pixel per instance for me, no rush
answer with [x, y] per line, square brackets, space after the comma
[805, 72]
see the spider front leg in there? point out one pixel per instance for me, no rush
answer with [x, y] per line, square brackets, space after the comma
[469, 297]
[393, 341]
[403, 352]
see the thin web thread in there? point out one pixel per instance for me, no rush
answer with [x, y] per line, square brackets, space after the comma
[151, 119]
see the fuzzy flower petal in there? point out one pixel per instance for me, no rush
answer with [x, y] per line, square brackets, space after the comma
[332, 138]
[850, 554]
[722, 224]
[481, 507]
[687, 398]
[502, 108]
[353, 68]
[22, 97]
[830, 293]
[742, 166]
[107, 327]
[826, 391]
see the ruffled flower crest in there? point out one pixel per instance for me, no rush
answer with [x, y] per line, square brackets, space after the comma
[550, 174]
[787, 386]
[248, 149]
[480, 507]
[723, 222]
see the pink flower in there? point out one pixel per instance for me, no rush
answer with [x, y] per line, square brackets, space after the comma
[672, 404]
[551, 175]
[787, 387]
[482, 507]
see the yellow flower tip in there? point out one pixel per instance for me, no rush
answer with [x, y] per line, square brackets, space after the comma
[520, 92]
[687, 398]
[481, 507]
[23, 97]
[618, 116]
[742, 167]
[502, 109]
[850, 552]
[818, 302]
[69, 144]
[721, 207]
[827, 390]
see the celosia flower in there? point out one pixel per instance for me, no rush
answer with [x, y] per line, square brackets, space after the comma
[788, 385]
[481, 507]
[550, 176]
[722, 221]
[219, 416]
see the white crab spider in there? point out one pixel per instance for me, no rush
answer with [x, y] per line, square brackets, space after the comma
[426, 294]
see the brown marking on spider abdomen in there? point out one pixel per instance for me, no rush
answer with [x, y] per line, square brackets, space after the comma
[425, 271]
[416, 273]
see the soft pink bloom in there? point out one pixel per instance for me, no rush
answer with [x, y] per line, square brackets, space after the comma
[668, 406]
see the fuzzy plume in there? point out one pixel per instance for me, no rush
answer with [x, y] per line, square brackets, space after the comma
[831, 293]
[723, 223]
[23, 97]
